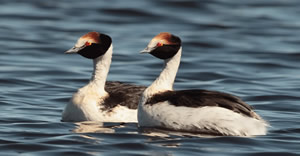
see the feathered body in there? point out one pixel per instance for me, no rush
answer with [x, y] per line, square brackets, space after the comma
[98, 100]
[197, 111]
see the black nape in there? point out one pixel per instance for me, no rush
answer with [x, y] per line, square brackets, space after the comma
[96, 49]
[168, 50]
[165, 51]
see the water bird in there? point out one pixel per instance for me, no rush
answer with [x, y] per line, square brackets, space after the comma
[100, 100]
[197, 110]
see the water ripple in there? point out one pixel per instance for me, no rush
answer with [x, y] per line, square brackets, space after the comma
[247, 48]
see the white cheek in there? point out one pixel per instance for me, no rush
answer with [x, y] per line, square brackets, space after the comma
[80, 43]
[152, 43]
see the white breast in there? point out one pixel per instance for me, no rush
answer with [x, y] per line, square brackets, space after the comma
[200, 119]
[86, 106]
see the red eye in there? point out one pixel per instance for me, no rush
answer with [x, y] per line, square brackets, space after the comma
[88, 43]
[159, 44]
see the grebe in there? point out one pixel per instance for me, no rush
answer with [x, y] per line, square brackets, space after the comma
[97, 101]
[196, 111]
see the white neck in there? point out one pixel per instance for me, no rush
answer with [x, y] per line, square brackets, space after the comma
[167, 77]
[101, 69]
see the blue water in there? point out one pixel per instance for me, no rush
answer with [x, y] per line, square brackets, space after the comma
[247, 48]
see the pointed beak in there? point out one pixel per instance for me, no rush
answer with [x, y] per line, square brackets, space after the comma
[146, 50]
[74, 50]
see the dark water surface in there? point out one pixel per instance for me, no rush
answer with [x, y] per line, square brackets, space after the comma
[247, 48]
